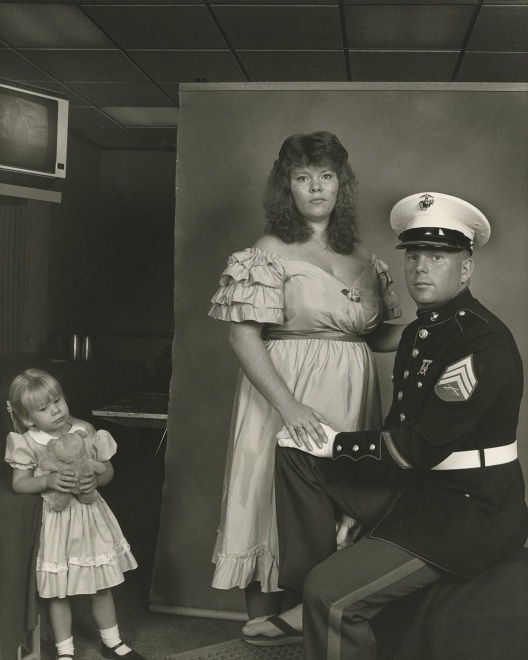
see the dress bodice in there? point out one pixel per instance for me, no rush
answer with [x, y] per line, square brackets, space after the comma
[26, 451]
[297, 298]
[318, 303]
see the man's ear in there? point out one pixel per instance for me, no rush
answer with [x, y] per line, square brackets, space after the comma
[467, 270]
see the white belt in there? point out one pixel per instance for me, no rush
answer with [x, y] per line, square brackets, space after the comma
[462, 460]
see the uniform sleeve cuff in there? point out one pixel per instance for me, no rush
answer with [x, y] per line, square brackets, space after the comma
[357, 445]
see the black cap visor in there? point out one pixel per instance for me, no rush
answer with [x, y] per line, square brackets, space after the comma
[435, 237]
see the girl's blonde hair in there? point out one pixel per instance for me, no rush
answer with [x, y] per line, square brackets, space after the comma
[28, 391]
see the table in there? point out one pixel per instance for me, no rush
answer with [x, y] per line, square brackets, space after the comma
[144, 410]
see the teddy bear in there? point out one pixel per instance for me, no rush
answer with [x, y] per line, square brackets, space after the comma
[68, 452]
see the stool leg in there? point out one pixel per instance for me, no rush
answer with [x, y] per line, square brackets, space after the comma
[33, 652]
[36, 640]
[159, 446]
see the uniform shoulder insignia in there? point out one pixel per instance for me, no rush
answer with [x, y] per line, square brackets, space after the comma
[458, 381]
[467, 318]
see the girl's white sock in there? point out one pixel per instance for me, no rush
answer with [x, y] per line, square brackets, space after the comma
[111, 638]
[65, 647]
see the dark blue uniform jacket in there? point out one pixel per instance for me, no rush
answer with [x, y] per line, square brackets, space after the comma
[458, 384]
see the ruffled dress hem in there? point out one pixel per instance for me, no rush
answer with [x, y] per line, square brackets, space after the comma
[239, 570]
[84, 575]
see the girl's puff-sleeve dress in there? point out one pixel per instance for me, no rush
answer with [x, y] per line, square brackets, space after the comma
[314, 330]
[82, 548]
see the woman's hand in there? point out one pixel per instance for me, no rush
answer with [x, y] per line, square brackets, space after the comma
[302, 422]
[304, 425]
[64, 482]
[89, 482]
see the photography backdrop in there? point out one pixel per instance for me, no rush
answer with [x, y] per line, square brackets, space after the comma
[461, 139]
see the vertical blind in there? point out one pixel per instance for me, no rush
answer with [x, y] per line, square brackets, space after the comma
[14, 284]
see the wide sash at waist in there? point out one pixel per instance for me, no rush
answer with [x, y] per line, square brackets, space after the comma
[334, 336]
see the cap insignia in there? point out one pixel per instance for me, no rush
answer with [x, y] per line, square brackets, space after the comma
[426, 201]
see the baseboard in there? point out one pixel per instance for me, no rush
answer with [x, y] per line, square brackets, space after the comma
[195, 611]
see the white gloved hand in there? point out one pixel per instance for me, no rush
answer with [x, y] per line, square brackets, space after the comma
[285, 440]
[347, 531]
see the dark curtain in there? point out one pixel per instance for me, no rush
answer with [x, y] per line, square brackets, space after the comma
[14, 280]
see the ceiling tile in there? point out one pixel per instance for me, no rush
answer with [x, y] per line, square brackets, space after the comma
[281, 27]
[500, 28]
[407, 27]
[128, 57]
[156, 138]
[74, 99]
[402, 66]
[132, 145]
[413, 2]
[506, 2]
[16, 67]
[48, 25]
[86, 65]
[137, 2]
[274, 2]
[158, 26]
[37, 2]
[88, 117]
[286, 66]
[121, 93]
[159, 117]
[173, 90]
[113, 134]
[188, 65]
[493, 67]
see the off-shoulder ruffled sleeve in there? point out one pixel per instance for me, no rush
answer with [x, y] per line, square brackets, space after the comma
[104, 446]
[18, 453]
[251, 288]
[390, 300]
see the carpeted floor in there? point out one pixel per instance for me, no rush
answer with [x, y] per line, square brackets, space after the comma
[154, 635]
[238, 650]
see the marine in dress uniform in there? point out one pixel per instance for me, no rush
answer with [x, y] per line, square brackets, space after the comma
[439, 488]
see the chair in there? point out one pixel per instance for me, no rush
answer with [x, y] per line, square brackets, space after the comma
[485, 618]
[20, 517]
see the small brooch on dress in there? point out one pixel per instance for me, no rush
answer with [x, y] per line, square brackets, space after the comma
[352, 293]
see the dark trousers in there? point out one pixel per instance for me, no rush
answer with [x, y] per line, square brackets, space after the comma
[342, 590]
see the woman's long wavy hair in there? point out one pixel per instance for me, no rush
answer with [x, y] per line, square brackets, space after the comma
[320, 149]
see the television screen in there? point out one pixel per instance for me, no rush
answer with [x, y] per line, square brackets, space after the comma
[33, 130]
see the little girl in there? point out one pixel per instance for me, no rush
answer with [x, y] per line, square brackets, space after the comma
[82, 549]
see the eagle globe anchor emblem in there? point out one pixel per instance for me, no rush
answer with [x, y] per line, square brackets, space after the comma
[426, 201]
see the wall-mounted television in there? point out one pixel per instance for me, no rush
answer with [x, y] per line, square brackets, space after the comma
[33, 131]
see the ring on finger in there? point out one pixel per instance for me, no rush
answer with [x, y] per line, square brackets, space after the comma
[298, 429]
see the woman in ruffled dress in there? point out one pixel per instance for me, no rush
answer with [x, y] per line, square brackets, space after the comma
[305, 304]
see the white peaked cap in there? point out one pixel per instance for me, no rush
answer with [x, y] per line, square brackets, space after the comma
[438, 220]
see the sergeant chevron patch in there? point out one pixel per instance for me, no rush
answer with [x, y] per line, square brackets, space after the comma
[458, 381]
